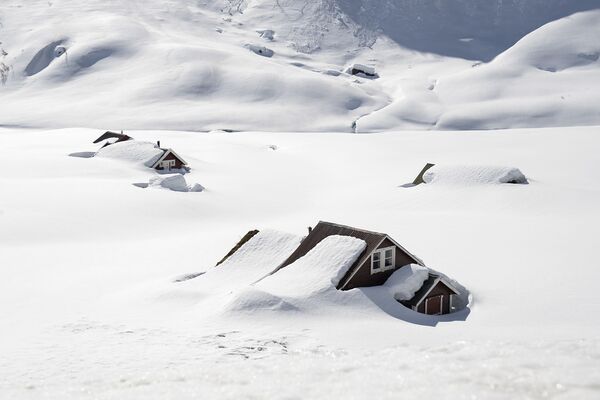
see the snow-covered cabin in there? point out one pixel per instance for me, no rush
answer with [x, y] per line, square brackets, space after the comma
[169, 160]
[108, 135]
[380, 261]
[381, 257]
[362, 70]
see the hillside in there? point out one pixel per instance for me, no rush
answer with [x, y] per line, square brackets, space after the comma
[280, 64]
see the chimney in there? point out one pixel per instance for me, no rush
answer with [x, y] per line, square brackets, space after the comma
[158, 143]
[309, 229]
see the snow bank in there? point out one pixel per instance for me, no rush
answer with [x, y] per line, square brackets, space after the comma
[175, 182]
[251, 298]
[145, 153]
[473, 175]
[233, 278]
[406, 281]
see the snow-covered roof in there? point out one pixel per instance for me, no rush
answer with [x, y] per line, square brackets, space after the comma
[325, 229]
[133, 151]
[319, 269]
[473, 175]
[406, 281]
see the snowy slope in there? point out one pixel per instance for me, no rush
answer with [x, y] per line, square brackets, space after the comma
[187, 64]
[257, 258]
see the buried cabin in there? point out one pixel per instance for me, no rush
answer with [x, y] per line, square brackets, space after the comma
[380, 259]
[169, 160]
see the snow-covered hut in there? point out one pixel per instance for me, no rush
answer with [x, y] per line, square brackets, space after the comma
[169, 160]
[362, 70]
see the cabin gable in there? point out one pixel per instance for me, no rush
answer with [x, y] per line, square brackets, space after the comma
[435, 297]
[169, 160]
[171, 157]
[365, 275]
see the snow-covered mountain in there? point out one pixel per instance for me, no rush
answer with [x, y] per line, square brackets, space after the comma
[273, 65]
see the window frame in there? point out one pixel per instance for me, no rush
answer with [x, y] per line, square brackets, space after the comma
[382, 266]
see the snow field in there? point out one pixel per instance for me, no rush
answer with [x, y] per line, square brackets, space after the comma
[89, 262]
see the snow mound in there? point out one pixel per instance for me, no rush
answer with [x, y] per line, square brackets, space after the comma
[83, 154]
[473, 175]
[580, 48]
[548, 78]
[318, 271]
[251, 299]
[406, 281]
[267, 34]
[175, 182]
[228, 285]
[260, 50]
[145, 153]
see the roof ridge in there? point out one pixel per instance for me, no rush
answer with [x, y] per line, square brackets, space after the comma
[353, 228]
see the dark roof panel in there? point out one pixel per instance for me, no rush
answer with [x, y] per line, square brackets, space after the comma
[109, 135]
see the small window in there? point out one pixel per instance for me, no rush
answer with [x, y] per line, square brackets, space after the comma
[376, 261]
[382, 260]
[389, 258]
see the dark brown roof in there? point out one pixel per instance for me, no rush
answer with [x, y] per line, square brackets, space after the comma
[109, 135]
[419, 179]
[324, 229]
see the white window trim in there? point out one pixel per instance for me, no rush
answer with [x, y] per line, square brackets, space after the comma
[382, 266]
[167, 164]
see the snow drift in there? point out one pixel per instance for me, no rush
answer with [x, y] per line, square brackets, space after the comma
[254, 260]
[174, 182]
[549, 78]
[139, 152]
[406, 281]
[310, 279]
